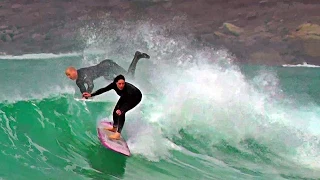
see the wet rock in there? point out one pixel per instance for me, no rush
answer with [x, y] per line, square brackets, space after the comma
[3, 27]
[16, 7]
[307, 31]
[15, 30]
[8, 31]
[6, 38]
[232, 29]
[255, 31]
[252, 16]
[38, 37]
[19, 36]
[309, 34]
[84, 18]
[267, 3]
[269, 57]
[263, 3]
[219, 34]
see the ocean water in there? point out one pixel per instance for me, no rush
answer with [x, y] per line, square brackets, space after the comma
[202, 116]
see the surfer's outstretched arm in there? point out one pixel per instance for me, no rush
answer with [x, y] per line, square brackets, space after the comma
[102, 90]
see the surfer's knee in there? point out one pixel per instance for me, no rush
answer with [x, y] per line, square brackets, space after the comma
[123, 114]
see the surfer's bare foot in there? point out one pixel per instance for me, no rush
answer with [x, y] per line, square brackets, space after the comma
[113, 129]
[115, 136]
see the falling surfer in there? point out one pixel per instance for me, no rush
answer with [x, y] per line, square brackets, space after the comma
[106, 68]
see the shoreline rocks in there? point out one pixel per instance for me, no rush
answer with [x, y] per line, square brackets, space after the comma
[267, 32]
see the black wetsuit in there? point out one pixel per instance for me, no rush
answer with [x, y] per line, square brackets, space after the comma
[106, 68]
[130, 96]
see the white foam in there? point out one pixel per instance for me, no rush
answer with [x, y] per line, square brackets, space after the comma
[39, 56]
[221, 103]
[304, 64]
[149, 142]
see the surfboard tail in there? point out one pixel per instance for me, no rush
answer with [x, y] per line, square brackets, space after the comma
[119, 146]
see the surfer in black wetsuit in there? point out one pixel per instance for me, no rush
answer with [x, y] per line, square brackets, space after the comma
[130, 96]
[107, 68]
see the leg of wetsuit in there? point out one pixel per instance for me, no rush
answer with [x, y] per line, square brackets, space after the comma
[132, 68]
[115, 115]
[115, 118]
[109, 69]
[122, 117]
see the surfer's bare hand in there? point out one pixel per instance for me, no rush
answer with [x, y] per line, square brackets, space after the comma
[118, 112]
[86, 95]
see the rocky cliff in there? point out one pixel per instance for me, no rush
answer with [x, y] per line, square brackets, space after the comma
[270, 32]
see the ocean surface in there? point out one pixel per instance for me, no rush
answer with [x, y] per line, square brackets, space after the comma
[202, 116]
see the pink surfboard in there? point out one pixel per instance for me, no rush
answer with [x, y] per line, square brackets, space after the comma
[119, 146]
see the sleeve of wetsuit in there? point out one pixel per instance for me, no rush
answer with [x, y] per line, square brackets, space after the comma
[81, 86]
[102, 90]
[90, 86]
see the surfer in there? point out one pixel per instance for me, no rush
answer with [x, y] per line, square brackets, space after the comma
[106, 68]
[130, 96]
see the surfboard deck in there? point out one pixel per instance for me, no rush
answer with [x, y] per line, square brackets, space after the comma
[119, 146]
[80, 99]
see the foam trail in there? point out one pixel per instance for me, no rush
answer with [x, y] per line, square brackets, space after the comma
[40, 56]
[304, 64]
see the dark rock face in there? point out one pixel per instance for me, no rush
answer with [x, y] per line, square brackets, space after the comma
[271, 32]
